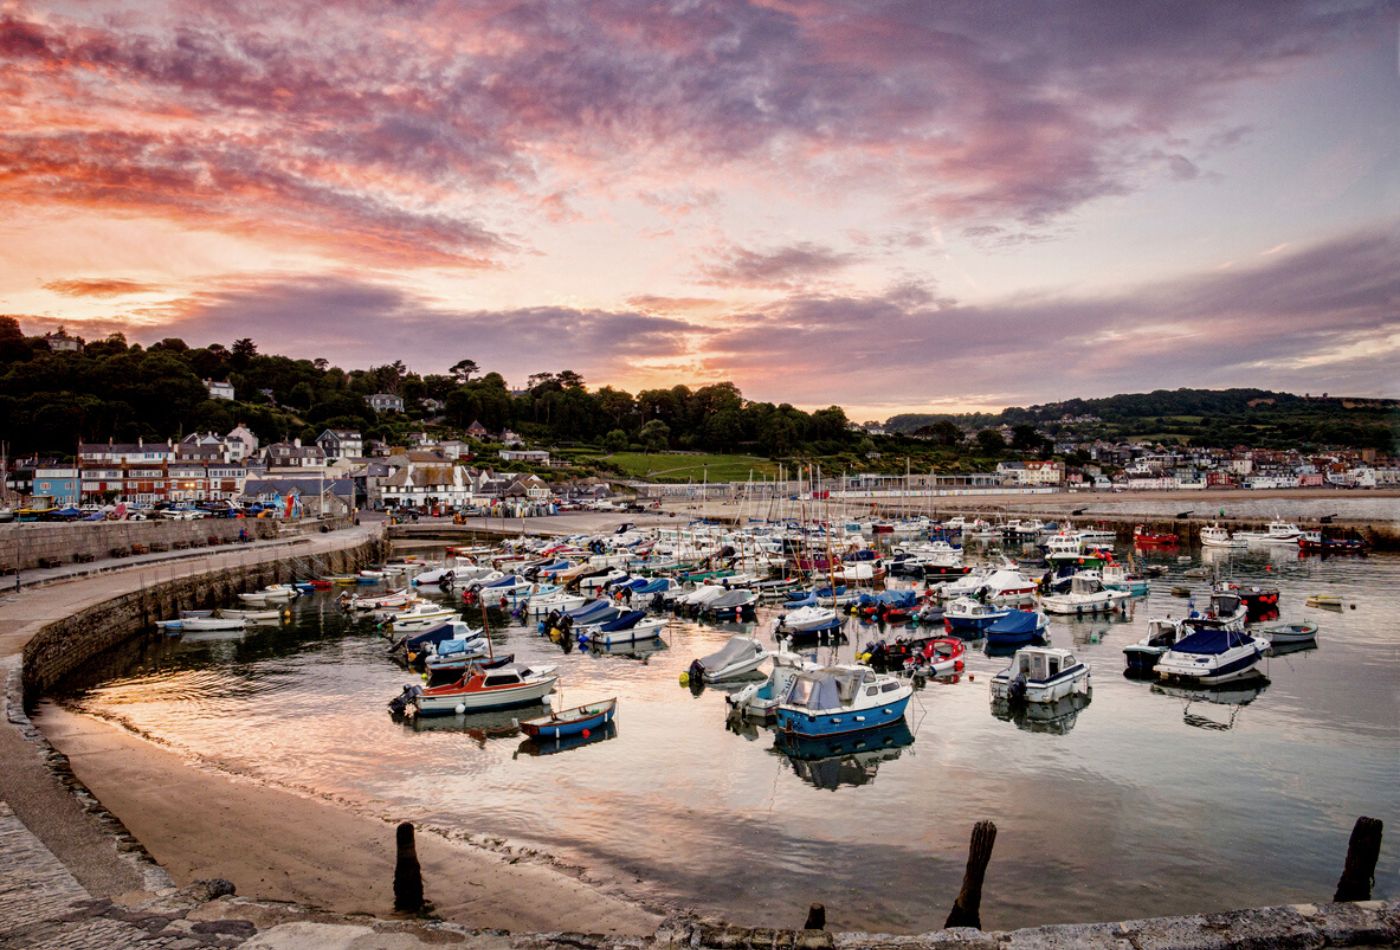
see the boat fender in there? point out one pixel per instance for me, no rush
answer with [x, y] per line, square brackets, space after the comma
[460, 708]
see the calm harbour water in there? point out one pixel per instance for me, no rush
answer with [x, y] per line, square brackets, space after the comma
[1144, 802]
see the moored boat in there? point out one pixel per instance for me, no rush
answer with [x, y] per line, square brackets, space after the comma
[580, 720]
[1212, 656]
[839, 699]
[739, 657]
[480, 690]
[1040, 675]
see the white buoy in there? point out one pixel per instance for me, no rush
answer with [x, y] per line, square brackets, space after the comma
[460, 708]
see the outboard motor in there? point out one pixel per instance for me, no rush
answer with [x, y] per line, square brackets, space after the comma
[445, 581]
[1016, 692]
[398, 706]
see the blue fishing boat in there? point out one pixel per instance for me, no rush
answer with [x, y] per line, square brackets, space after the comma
[968, 616]
[840, 699]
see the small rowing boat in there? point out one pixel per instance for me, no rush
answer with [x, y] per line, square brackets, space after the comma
[580, 720]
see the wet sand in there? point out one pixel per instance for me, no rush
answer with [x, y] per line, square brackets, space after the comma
[277, 845]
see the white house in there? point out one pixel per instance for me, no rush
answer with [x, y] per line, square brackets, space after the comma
[537, 456]
[242, 443]
[219, 389]
[431, 483]
[385, 402]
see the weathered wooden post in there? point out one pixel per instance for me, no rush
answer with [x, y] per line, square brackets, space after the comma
[408, 875]
[816, 918]
[966, 910]
[1363, 850]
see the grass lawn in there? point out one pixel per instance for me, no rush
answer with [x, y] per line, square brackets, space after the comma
[683, 467]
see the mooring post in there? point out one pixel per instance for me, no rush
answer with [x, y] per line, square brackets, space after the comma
[966, 910]
[816, 918]
[408, 876]
[1363, 850]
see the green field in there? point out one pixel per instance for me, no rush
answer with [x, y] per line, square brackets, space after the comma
[684, 466]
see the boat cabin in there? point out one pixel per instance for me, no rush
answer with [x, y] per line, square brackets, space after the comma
[1163, 632]
[835, 686]
[1039, 664]
[1086, 582]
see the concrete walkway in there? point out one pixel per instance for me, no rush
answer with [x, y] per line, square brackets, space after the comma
[74, 828]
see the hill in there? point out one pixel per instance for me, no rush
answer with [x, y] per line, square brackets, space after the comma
[1225, 417]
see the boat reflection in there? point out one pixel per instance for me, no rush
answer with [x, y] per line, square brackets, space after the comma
[1056, 718]
[833, 761]
[565, 744]
[1284, 649]
[639, 650]
[1197, 711]
[496, 724]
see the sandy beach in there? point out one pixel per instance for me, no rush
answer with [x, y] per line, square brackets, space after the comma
[277, 845]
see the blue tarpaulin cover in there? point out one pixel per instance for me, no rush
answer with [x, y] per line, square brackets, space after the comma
[1018, 621]
[624, 622]
[1210, 642]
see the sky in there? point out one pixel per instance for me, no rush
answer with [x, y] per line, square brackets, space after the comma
[891, 206]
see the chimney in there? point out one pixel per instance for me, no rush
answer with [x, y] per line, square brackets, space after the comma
[297, 442]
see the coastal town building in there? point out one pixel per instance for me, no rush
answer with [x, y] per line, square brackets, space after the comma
[219, 389]
[284, 456]
[62, 484]
[341, 444]
[385, 402]
[536, 456]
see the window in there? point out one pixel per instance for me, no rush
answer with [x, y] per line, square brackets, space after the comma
[889, 687]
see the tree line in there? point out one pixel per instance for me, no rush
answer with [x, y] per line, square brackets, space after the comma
[51, 399]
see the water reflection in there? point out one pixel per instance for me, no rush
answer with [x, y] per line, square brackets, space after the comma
[303, 705]
[1196, 710]
[567, 743]
[831, 762]
[1056, 718]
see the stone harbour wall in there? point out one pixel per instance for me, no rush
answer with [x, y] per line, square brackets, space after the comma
[41, 544]
[62, 646]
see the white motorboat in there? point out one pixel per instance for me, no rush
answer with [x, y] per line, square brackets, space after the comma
[1212, 656]
[760, 700]
[437, 576]
[739, 657]
[253, 616]
[1087, 595]
[194, 624]
[393, 600]
[1277, 532]
[1040, 675]
[805, 619]
[542, 604]
[626, 626]
[272, 594]
[1008, 586]
[1214, 536]
[422, 616]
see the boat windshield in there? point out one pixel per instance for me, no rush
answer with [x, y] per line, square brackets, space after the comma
[825, 689]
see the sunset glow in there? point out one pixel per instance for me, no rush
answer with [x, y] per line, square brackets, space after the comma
[891, 206]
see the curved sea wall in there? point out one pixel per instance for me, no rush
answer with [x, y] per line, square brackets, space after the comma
[62, 646]
[40, 544]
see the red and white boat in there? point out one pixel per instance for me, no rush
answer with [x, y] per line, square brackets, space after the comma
[505, 687]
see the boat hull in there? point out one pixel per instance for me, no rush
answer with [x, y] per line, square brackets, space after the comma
[515, 698]
[840, 722]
